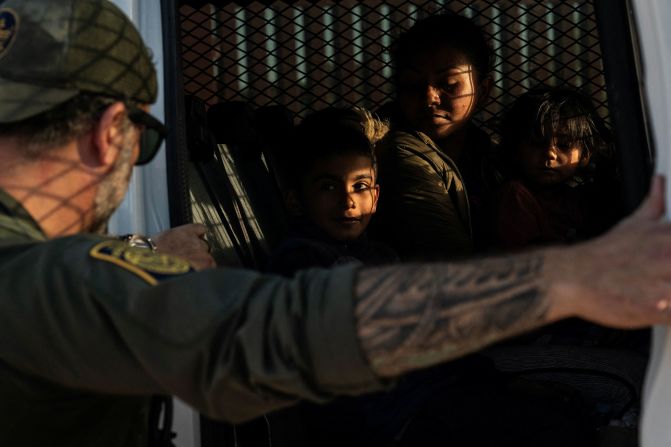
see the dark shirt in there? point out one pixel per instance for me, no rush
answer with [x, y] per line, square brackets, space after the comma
[307, 246]
[527, 217]
[564, 213]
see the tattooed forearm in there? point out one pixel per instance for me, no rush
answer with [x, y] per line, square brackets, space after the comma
[418, 315]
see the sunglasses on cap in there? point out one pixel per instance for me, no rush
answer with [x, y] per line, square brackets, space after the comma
[153, 133]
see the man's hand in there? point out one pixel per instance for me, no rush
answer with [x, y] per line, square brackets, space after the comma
[188, 242]
[622, 279]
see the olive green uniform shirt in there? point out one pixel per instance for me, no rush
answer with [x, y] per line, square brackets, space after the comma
[89, 328]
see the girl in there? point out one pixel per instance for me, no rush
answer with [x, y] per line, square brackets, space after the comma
[553, 141]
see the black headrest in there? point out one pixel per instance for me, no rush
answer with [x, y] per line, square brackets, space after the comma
[233, 122]
[275, 122]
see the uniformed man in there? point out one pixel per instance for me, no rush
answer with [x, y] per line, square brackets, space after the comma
[90, 327]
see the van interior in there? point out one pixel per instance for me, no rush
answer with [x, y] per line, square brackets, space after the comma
[245, 72]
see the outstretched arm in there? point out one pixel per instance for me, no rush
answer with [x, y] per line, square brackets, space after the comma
[409, 317]
[420, 315]
[236, 344]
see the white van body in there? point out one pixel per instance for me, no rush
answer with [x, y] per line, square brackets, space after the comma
[145, 207]
[652, 18]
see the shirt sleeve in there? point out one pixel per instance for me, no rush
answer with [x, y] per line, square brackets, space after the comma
[233, 343]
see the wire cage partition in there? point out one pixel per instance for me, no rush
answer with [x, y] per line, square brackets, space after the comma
[309, 55]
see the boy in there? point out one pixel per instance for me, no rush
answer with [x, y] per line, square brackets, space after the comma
[334, 192]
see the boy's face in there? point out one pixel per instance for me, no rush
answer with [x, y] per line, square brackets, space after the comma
[550, 163]
[339, 195]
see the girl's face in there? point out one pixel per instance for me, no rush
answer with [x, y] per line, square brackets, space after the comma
[550, 163]
[438, 91]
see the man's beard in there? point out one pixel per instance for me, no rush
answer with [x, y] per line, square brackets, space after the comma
[112, 188]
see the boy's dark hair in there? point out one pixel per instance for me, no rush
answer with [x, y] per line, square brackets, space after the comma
[332, 132]
[450, 29]
[563, 113]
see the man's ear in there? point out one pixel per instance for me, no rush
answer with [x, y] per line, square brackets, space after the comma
[108, 135]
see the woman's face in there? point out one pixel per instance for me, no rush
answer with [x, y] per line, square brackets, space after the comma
[438, 91]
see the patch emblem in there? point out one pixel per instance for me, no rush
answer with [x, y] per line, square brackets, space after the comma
[150, 266]
[9, 25]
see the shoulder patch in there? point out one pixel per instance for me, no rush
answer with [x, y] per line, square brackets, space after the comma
[9, 25]
[151, 267]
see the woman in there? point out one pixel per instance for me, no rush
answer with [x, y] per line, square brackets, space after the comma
[435, 165]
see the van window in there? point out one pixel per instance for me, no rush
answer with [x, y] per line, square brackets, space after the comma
[308, 55]
[237, 61]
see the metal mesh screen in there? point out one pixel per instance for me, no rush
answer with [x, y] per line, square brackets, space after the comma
[308, 55]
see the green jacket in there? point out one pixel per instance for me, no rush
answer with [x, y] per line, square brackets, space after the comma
[90, 327]
[423, 211]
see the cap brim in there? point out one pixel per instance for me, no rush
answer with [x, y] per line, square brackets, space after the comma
[19, 100]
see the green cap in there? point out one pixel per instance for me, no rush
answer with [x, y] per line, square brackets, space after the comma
[51, 50]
